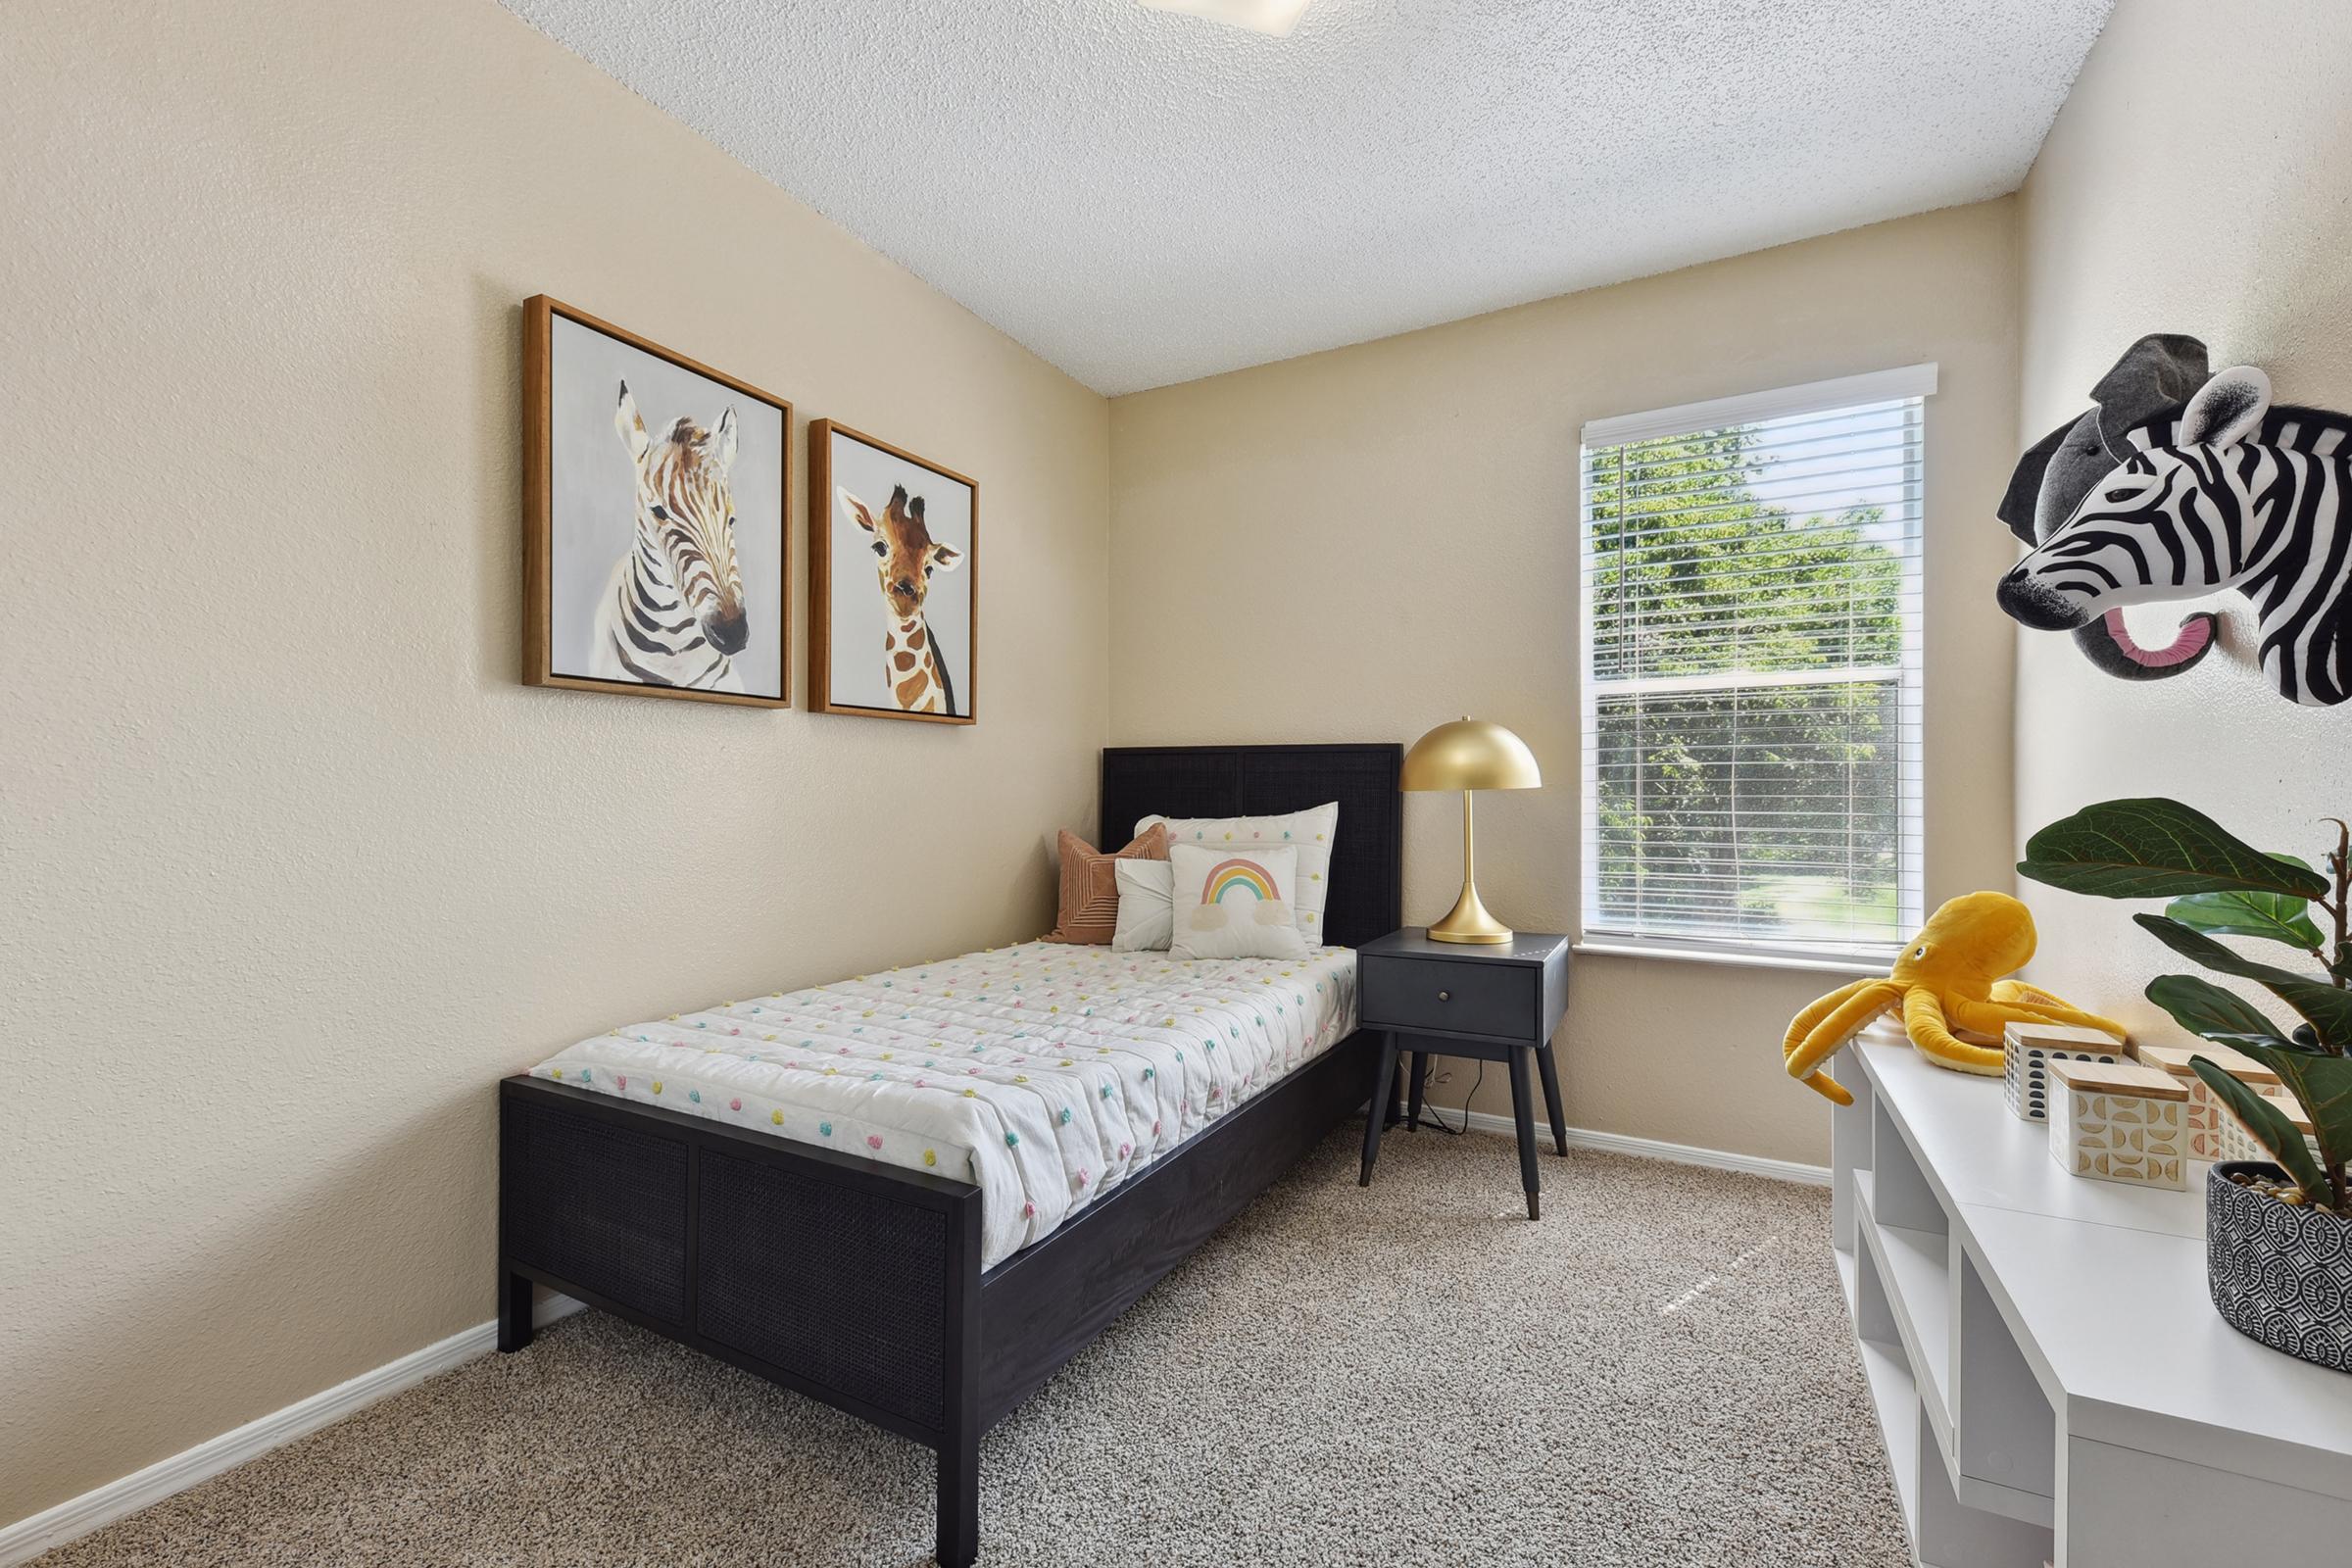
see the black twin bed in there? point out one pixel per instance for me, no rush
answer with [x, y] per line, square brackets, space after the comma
[831, 1275]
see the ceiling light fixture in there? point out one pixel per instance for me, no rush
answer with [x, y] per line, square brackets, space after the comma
[1273, 17]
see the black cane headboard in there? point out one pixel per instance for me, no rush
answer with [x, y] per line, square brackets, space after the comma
[1367, 872]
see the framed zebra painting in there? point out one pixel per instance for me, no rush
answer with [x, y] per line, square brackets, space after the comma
[657, 553]
[894, 596]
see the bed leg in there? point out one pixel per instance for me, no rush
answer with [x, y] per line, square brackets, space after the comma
[514, 1310]
[959, 1506]
[958, 1544]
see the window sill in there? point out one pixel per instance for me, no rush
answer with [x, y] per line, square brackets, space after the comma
[1855, 967]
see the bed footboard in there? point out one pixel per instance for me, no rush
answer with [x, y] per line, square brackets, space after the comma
[854, 1284]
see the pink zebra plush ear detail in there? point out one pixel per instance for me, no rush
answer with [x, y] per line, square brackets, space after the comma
[2227, 408]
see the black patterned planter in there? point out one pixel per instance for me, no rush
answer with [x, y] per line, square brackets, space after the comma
[2279, 1273]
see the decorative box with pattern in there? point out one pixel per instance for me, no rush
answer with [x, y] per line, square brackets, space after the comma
[2027, 1050]
[2119, 1122]
[2238, 1144]
[2210, 1126]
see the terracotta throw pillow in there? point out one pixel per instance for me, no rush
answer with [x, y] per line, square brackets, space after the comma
[1089, 883]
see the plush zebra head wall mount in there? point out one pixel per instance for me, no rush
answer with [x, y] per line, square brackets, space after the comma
[2153, 380]
[2235, 493]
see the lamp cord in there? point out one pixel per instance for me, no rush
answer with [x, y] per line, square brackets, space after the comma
[1439, 1122]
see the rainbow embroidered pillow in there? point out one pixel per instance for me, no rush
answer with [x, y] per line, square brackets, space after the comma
[1311, 832]
[1235, 904]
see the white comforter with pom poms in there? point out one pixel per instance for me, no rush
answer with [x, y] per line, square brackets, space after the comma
[1045, 1074]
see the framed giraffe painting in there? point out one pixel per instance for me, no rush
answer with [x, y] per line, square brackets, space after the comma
[894, 596]
[656, 551]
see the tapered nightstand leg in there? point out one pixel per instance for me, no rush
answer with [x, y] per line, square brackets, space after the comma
[1552, 1099]
[1420, 1082]
[1523, 1116]
[1383, 1090]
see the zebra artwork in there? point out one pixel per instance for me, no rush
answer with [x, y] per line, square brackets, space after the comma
[654, 564]
[2235, 493]
[672, 612]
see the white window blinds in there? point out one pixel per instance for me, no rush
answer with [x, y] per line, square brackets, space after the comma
[1751, 679]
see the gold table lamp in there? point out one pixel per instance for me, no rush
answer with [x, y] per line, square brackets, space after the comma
[1468, 754]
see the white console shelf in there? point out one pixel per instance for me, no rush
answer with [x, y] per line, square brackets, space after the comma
[2053, 1381]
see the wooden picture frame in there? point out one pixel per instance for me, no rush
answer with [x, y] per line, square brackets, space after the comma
[929, 665]
[577, 634]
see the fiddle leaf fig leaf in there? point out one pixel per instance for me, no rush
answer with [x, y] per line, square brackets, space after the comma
[2205, 1009]
[2157, 849]
[2329, 1008]
[2267, 1123]
[2322, 1086]
[2249, 912]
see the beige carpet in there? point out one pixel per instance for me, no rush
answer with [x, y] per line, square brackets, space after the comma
[1658, 1373]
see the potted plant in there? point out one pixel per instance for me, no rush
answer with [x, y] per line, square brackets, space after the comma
[2278, 1236]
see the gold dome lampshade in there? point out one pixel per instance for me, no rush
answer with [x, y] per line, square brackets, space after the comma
[1470, 754]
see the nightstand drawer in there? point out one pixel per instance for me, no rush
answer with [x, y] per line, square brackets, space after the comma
[1471, 999]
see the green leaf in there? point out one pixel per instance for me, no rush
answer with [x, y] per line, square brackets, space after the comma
[2205, 1009]
[2269, 1125]
[2156, 849]
[2273, 917]
[2324, 1086]
[2328, 1010]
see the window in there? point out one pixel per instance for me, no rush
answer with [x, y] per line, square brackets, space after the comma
[1751, 680]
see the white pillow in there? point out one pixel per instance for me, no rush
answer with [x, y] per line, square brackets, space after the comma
[1309, 832]
[1147, 907]
[1234, 903]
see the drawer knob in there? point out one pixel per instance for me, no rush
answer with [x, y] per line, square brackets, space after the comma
[1445, 995]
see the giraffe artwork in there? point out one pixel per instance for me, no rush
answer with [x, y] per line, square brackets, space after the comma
[894, 601]
[906, 559]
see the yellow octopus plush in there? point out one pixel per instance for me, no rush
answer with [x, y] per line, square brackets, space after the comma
[1950, 974]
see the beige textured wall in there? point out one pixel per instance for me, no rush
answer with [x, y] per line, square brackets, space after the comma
[2198, 180]
[1361, 544]
[294, 868]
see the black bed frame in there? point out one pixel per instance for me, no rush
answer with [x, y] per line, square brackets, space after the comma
[859, 1284]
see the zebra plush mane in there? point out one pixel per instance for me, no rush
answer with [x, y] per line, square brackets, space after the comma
[2289, 427]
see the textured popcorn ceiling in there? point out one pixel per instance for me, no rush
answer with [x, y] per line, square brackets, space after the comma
[1142, 197]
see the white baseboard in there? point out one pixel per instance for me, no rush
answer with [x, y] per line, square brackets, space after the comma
[76, 1517]
[1780, 1170]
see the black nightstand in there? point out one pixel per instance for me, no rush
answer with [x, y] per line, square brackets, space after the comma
[1460, 999]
